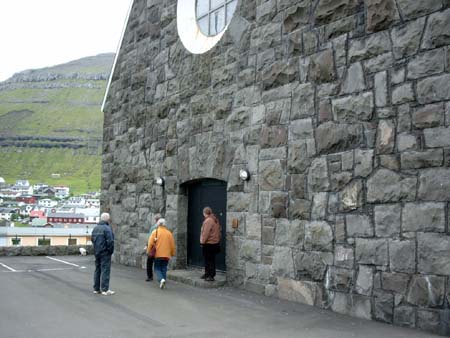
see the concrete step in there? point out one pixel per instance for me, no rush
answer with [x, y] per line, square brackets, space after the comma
[192, 277]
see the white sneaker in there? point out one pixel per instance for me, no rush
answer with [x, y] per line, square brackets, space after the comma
[108, 293]
[162, 284]
[97, 292]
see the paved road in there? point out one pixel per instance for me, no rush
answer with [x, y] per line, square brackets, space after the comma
[46, 298]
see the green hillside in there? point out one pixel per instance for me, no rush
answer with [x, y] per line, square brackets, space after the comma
[79, 171]
[50, 122]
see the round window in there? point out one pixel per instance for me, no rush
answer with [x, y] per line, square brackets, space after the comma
[202, 23]
[214, 15]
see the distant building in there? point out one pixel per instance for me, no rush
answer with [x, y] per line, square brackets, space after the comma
[39, 187]
[22, 187]
[26, 210]
[93, 203]
[50, 192]
[37, 214]
[47, 203]
[22, 183]
[75, 202]
[26, 199]
[65, 217]
[6, 213]
[41, 222]
[62, 192]
[38, 236]
[91, 215]
[9, 193]
[94, 194]
[2, 182]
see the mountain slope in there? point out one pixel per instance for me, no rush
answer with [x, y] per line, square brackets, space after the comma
[50, 122]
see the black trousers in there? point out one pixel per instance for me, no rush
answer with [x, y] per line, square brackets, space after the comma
[209, 253]
[150, 267]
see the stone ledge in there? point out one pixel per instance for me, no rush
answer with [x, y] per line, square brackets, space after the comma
[192, 277]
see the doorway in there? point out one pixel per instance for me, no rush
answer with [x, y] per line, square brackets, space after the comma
[211, 193]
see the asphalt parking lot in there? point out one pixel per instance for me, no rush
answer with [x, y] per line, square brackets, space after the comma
[51, 297]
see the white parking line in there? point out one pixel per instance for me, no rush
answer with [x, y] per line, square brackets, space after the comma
[55, 269]
[61, 261]
[7, 267]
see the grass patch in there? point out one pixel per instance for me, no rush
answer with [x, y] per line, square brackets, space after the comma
[21, 225]
[80, 171]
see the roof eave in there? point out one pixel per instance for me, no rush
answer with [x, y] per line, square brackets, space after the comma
[116, 57]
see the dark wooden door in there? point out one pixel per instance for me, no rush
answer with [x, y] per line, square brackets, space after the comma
[206, 193]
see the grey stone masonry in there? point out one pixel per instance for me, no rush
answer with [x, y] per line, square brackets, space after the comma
[46, 250]
[340, 112]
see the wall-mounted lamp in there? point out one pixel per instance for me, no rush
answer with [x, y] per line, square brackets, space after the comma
[159, 181]
[244, 175]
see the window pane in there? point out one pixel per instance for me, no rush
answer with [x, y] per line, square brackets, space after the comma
[216, 3]
[231, 7]
[203, 24]
[42, 241]
[217, 21]
[202, 7]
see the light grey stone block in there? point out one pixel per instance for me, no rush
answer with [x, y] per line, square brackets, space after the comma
[318, 236]
[371, 251]
[402, 256]
[387, 220]
[433, 254]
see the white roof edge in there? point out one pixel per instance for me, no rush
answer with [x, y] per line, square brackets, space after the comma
[117, 55]
[36, 231]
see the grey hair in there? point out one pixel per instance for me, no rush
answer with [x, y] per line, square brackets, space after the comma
[105, 217]
[161, 221]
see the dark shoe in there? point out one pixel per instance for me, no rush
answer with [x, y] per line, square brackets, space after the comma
[149, 279]
[209, 279]
[203, 276]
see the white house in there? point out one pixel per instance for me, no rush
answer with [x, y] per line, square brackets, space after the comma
[6, 213]
[25, 210]
[93, 202]
[91, 215]
[62, 192]
[8, 193]
[40, 186]
[76, 201]
[47, 203]
[22, 183]
[23, 188]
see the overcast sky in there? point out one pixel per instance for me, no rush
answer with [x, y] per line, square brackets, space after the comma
[42, 33]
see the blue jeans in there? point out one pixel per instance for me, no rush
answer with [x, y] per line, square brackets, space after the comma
[161, 268]
[102, 272]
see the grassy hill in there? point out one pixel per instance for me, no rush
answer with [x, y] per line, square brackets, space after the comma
[50, 122]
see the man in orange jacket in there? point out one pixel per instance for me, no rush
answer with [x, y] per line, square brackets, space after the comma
[163, 240]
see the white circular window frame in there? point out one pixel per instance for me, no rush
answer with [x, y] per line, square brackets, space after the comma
[189, 32]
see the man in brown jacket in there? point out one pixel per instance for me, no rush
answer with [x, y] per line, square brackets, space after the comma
[210, 242]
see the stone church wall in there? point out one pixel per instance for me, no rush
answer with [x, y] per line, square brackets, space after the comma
[340, 111]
